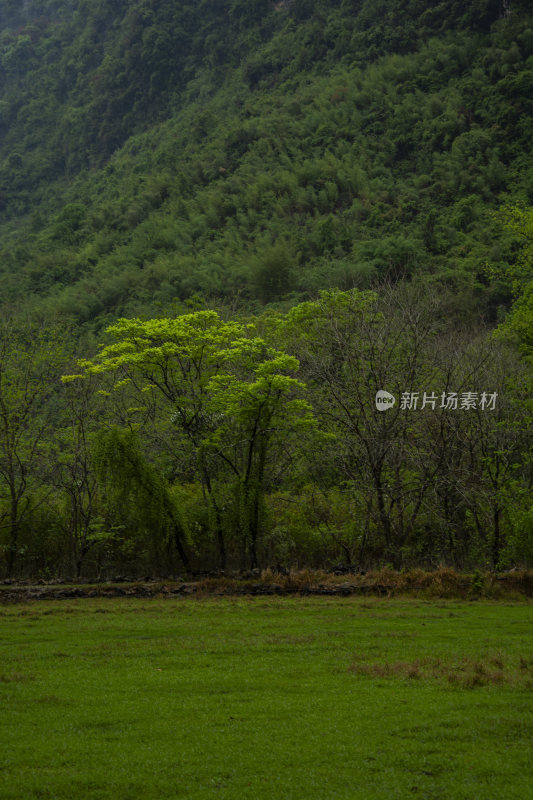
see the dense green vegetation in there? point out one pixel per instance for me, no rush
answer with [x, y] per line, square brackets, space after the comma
[150, 151]
[191, 442]
[288, 207]
[265, 698]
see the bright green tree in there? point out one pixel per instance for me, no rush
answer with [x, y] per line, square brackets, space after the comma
[226, 390]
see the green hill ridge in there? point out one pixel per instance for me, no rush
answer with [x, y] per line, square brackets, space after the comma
[150, 153]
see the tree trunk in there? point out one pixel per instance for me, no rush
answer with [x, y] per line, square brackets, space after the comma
[14, 533]
[219, 532]
[496, 541]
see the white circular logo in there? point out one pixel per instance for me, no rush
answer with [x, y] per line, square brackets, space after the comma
[384, 400]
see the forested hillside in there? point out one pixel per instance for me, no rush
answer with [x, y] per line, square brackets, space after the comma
[277, 211]
[151, 151]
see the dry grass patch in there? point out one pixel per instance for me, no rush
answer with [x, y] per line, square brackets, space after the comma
[16, 677]
[467, 673]
[288, 639]
[445, 583]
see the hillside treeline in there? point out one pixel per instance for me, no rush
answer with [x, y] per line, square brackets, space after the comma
[277, 210]
[206, 441]
[153, 151]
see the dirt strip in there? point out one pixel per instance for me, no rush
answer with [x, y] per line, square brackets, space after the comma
[432, 585]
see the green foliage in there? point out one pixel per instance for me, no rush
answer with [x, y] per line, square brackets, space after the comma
[312, 526]
[136, 492]
[230, 395]
[519, 545]
[190, 437]
[407, 471]
[30, 358]
[268, 151]
[518, 327]
[289, 161]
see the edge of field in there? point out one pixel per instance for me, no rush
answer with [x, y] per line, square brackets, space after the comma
[440, 583]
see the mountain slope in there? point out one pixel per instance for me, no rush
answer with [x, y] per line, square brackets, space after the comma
[149, 153]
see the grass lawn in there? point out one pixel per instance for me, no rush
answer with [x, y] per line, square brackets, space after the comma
[278, 698]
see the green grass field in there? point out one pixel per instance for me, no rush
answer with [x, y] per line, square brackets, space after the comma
[278, 698]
